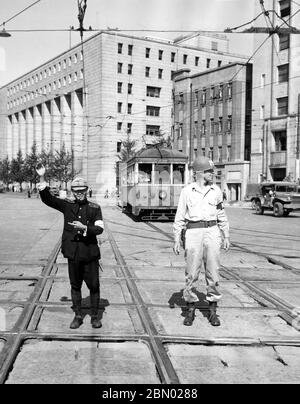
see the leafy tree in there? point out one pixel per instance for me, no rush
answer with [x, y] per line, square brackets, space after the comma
[5, 171]
[128, 149]
[17, 169]
[30, 163]
[63, 169]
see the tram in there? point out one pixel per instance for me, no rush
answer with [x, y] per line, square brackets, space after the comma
[151, 183]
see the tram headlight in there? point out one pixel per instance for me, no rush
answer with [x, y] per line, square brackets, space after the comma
[138, 194]
[162, 195]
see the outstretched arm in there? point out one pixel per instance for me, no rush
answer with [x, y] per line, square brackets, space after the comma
[45, 194]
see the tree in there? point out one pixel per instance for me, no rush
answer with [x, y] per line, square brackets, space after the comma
[128, 149]
[47, 159]
[30, 163]
[5, 171]
[17, 169]
[63, 170]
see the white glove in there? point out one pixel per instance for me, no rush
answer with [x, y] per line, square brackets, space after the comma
[40, 169]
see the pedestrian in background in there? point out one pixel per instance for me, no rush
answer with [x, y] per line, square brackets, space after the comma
[201, 212]
[82, 223]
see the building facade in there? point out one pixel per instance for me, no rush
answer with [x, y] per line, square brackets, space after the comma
[276, 103]
[92, 97]
[212, 117]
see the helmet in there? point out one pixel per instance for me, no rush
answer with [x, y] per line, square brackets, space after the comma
[79, 184]
[202, 163]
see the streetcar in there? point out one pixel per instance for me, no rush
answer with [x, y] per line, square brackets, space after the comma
[151, 183]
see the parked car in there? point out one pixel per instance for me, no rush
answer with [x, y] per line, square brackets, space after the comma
[279, 196]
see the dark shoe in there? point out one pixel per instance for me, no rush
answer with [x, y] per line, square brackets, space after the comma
[190, 316]
[96, 323]
[77, 321]
[213, 317]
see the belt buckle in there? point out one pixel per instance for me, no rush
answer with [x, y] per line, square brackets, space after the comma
[206, 224]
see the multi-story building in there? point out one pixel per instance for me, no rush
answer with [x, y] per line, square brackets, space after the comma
[93, 96]
[276, 102]
[212, 117]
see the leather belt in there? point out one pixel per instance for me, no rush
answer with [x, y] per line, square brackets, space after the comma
[201, 224]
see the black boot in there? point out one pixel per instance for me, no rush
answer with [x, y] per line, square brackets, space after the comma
[213, 317]
[190, 316]
[77, 320]
[76, 300]
[95, 300]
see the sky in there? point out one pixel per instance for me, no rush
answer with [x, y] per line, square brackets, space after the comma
[24, 51]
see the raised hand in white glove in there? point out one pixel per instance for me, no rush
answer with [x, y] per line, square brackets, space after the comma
[40, 169]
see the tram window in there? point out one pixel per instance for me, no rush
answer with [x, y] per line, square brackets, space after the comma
[145, 173]
[178, 173]
[162, 174]
[130, 176]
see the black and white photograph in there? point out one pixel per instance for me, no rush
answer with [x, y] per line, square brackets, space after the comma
[149, 195]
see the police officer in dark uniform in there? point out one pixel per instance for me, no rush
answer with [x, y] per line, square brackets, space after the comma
[82, 223]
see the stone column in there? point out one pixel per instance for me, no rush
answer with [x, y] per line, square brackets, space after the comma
[9, 125]
[67, 128]
[22, 133]
[37, 112]
[57, 124]
[47, 141]
[78, 134]
[29, 129]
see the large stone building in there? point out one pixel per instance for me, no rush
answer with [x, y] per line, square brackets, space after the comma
[93, 96]
[276, 89]
[212, 117]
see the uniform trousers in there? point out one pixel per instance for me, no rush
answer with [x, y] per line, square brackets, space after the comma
[88, 272]
[202, 248]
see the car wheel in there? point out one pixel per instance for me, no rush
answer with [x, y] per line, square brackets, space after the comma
[258, 208]
[278, 209]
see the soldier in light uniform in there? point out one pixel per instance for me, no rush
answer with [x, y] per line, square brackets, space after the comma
[82, 223]
[200, 211]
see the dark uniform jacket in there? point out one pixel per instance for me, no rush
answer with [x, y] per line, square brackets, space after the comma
[73, 241]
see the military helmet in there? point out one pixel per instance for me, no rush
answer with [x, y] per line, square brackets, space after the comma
[79, 184]
[202, 163]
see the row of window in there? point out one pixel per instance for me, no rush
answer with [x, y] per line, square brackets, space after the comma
[172, 55]
[216, 154]
[147, 70]
[212, 94]
[31, 95]
[44, 74]
[150, 129]
[215, 126]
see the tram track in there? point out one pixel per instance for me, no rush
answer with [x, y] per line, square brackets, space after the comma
[261, 295]
[26, 328]
[15, 339]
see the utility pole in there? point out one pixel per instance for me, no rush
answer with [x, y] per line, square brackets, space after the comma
[298, 142]
[81, 13]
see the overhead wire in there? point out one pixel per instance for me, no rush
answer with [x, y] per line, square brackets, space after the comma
[20, 12]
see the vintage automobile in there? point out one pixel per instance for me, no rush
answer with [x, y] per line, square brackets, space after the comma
[279, 196]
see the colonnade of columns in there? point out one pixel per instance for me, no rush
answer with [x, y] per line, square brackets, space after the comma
[49, 124]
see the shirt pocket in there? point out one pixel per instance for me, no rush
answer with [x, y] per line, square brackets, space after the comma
[212, 207]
